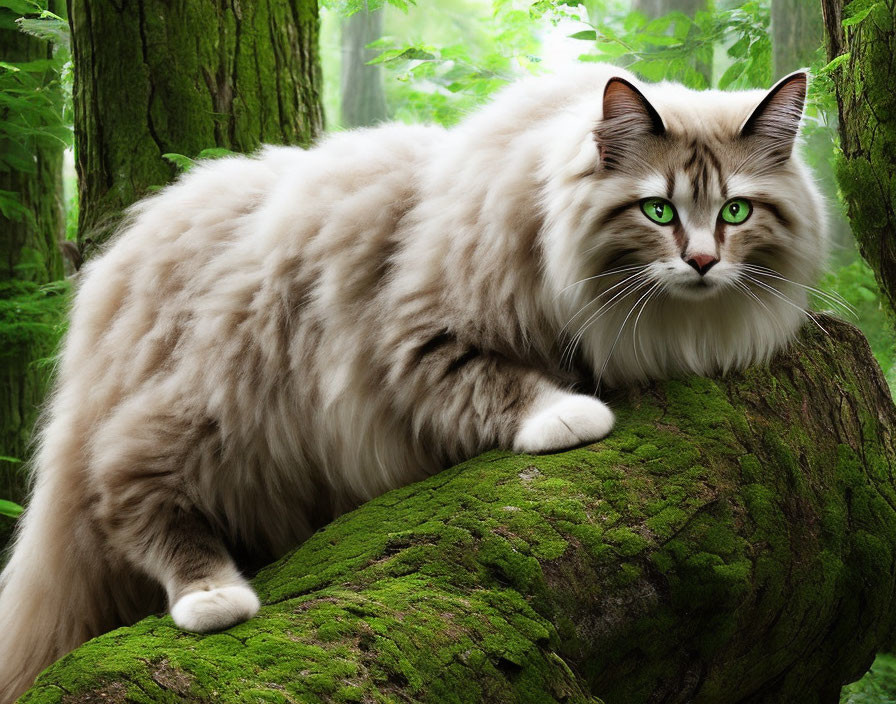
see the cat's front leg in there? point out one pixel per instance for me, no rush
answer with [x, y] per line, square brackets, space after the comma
[474, 399]
[560, 419]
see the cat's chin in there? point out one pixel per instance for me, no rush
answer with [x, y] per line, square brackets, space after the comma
[700, 290]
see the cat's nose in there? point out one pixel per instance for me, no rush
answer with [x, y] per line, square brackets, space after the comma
[701, 262]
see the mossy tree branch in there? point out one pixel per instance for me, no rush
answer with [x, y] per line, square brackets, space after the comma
[731, 541]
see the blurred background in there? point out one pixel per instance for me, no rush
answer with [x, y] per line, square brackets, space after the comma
[429, 62]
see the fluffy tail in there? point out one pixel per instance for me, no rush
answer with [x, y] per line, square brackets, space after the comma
[58, 589]
[48, 590]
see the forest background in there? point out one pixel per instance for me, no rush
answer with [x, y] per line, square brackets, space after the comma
[427, 62]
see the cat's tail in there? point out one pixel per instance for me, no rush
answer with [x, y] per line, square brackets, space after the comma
[48, 590]
[59, 588]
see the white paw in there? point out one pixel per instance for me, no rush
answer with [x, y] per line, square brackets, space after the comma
[214, 609]
[563, 420]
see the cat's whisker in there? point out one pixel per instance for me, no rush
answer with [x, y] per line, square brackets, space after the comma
[832, 298]
[597, 298]
[619, 334]
[636, 343]
[631, 280]
[611, 272]
[746, 289]
[600, 312]
[785, 299]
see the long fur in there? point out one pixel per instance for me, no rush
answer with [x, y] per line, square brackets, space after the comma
[274, 339]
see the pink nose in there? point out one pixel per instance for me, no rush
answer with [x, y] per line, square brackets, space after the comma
[701, 262]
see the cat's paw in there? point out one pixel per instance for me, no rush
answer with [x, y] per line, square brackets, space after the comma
[563, 420]
[214, 609]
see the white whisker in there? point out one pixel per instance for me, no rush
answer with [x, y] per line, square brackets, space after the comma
[611, 272]
[776, 292]
[600, 312]
[832, 298]
[619, 334]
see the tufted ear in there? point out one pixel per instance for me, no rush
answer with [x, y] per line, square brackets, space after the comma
[627, 118]
[776, 120]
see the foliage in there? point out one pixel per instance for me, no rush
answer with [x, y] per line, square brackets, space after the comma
[29, 313]
[10, 509]
[876, 687]
[447, 60]
[32, 319]
[665, 48]
[32, 112]
[855, 283]
[184, 163]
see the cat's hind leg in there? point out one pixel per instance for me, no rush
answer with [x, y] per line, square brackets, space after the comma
[150, 473]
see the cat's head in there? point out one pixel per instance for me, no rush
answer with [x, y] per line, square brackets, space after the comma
[694, 203]
[707, 194]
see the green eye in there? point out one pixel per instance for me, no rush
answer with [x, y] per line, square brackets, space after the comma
[658, 210]
[736, 211]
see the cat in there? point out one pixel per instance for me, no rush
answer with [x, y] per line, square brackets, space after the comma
[272, 340]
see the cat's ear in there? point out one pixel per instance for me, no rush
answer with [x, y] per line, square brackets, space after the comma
[776, 120]
[627, 118]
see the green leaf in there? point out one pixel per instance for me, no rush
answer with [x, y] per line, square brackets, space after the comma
[733, 72]
[8, 508]
[13, 460]
[183, 163]
[20, 7]
[215, 153]
[50, 29]
[832, 65]
[585, 34]
[858, 17]
[739, 48]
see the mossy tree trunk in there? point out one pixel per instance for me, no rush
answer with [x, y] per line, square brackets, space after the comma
[865, 81]
[363, 96]
[31, 170]
[730, 541]
[29, 245]
[154, 77]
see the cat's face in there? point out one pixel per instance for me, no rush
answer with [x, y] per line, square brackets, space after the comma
[683, 233]
[705, 205]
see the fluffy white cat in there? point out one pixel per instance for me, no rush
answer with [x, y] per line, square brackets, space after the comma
[273, 340]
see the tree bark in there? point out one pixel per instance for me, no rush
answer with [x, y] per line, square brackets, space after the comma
[29, 256]
[154, 77]
[363, 95]
[29, 248]
[730, 541]
[867, 105]
[797, 33]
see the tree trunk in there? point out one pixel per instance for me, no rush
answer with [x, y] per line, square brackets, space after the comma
[731, 541]
[797, 33]
[29, 256]
[363, 95]
[154, 77]
[29, 248]
[867, 105]
[658, 8]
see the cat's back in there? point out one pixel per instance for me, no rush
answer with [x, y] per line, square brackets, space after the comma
[229, 244]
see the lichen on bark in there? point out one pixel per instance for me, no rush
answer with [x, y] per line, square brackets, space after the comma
[730, 541]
